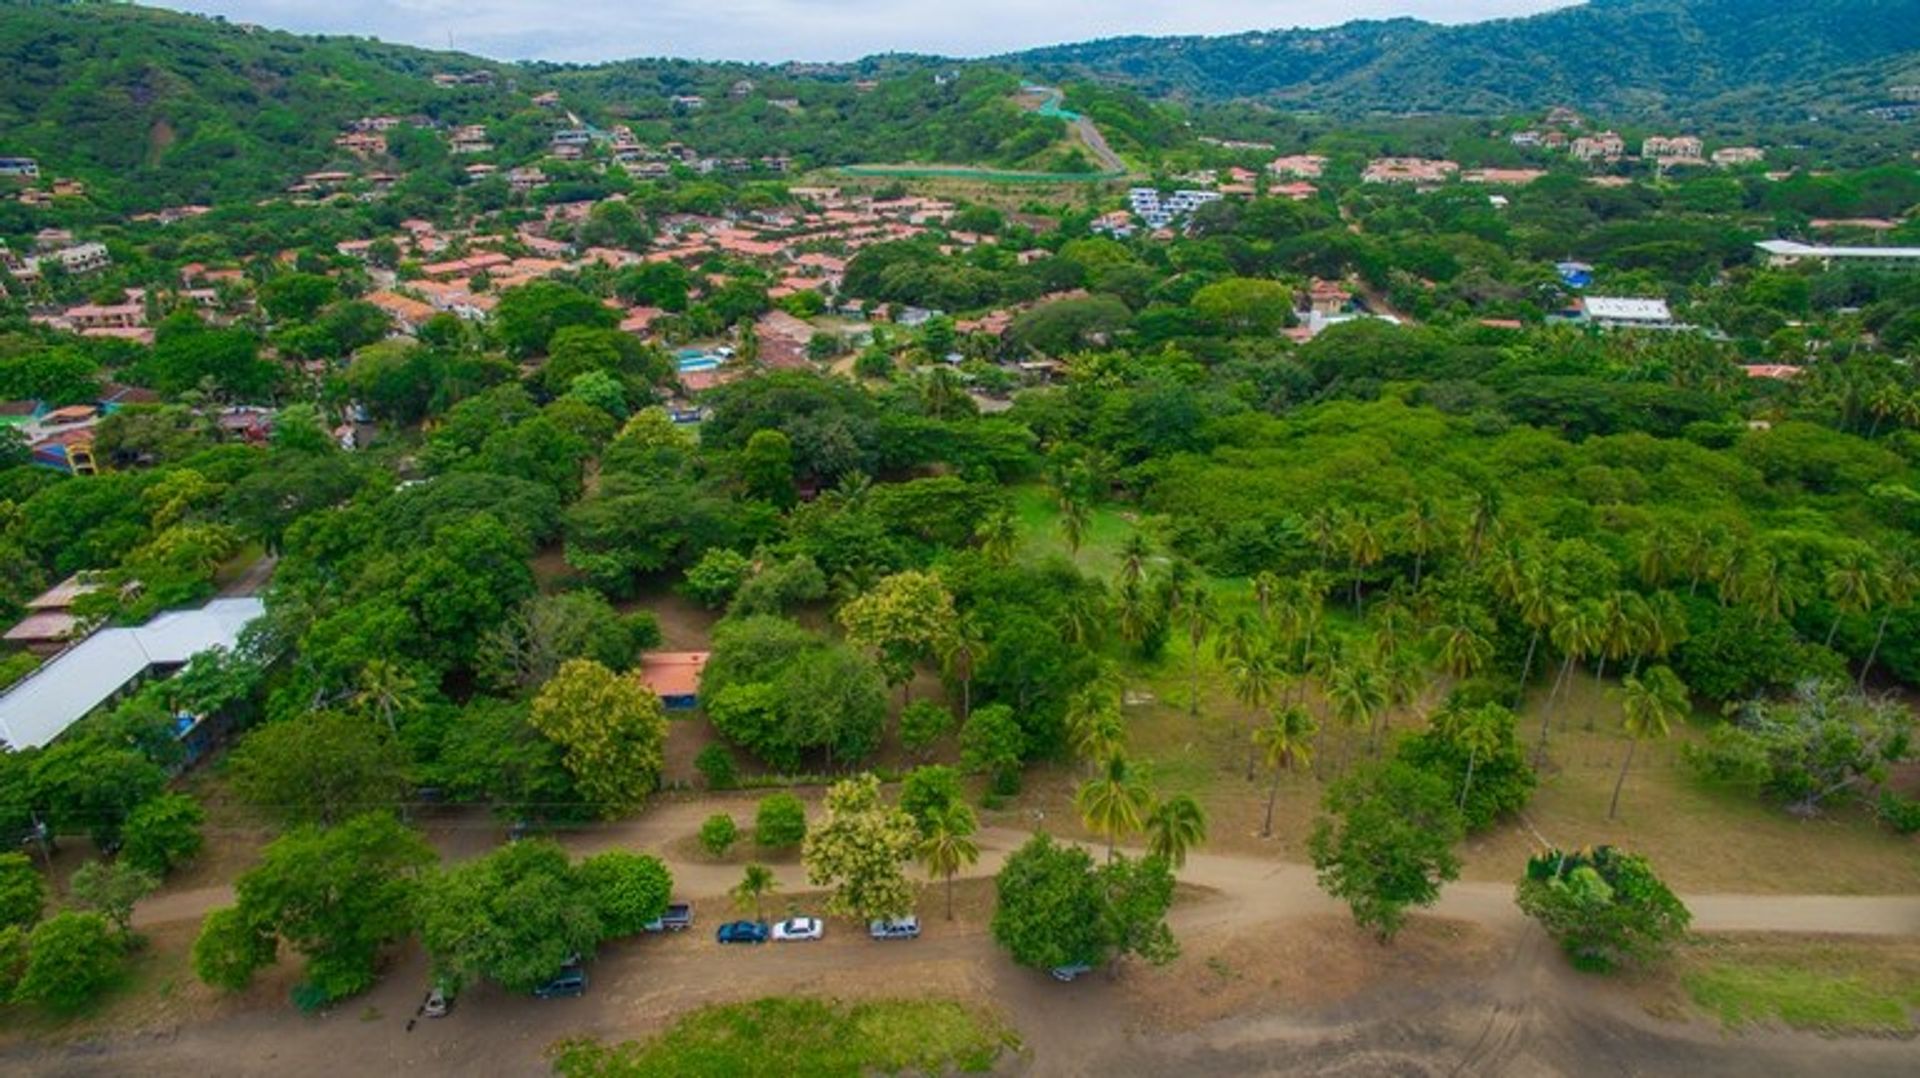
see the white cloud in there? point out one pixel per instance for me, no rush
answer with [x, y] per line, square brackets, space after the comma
[773, 30]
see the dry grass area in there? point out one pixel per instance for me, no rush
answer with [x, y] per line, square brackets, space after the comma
[1702, 839]
[1313, 962]
[157, 992]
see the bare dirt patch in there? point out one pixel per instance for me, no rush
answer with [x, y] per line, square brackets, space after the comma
[1312, 962]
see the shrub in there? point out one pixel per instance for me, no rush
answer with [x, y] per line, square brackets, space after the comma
[922, 723]
[714, 579]
[1606, 908]
[23, 894]
[1900, 813]
[163, 833]
[715, 763]
[780, 821]
[718, 834]
[629, 890]
[71, 957]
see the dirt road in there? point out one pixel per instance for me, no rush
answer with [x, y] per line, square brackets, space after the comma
[1246, 889]
[1527, 1014]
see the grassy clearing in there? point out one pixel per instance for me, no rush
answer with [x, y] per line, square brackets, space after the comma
[1038, 516]
[779, 1036]
[1826, 986]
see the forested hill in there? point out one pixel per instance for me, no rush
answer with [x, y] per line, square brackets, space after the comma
[1618, 56]
[182, 108]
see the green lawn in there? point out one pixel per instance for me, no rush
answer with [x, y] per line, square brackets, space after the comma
[1038, 514]
[1829, 988]
[781, 1036]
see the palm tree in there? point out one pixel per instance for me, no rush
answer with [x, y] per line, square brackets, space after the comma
[1175, 826]
[1323, 531]
[1899, 580]
[1423, 529]
[1483, 520]
[1137, 614]
[1286, 740]
[1696, 555]
[948, 846]
[1254, 677]
[1356, 695]
[1075, 519]
[1094, 726]
[1196, 608]
[1531, 595]
[1575, 635]
[1478, 729]
[961, 653]
[998, 536]
[1083, 614]
[1134, 555]
[1266, 588]
[756, 884]
[1115, 802]
[1851, 584]
[1768, 587]
[386, 688]
[1364, 549]
[1885, 401]
[1464, 649]
[1653, 704]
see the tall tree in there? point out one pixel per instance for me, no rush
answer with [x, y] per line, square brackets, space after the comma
[1285, 741]
[1851, 584]
[1575, 635]
[1355, 691]
[613, 730]
[1174, 827]
[514, 916]
[902, 619]
[859, 849]
[947, 845]
[1900, 581]
[1115, 802]
[337, 895]
[1392, 846]
[319, 768]
[1255, 678]
[1653, 703]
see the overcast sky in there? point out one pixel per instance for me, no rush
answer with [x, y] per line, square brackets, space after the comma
[774, 30]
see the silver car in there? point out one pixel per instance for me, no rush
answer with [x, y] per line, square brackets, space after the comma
[895, 928]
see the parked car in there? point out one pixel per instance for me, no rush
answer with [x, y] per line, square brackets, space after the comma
[897, 928]
[1070, 972]
[570, 981]
[678, 918]
[437, 1004]
[796, 929]
[742, 932]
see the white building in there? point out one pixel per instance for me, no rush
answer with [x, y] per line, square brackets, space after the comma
[1611, 312]
[72, 684]
[1785, 253]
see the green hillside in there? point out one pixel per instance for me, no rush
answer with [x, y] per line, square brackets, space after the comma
[186, 109]
[1645, 57]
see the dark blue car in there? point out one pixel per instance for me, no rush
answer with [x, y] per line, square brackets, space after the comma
[742, 932]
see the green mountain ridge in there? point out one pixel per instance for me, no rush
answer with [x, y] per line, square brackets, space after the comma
[1645, 57]
[153, 108]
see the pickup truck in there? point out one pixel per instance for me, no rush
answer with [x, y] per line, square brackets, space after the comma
[678, 918]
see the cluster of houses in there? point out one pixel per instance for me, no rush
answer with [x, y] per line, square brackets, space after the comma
[804, 249]
[24, 174]
[1159, 213]
[1661, 151]
[55, 247]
